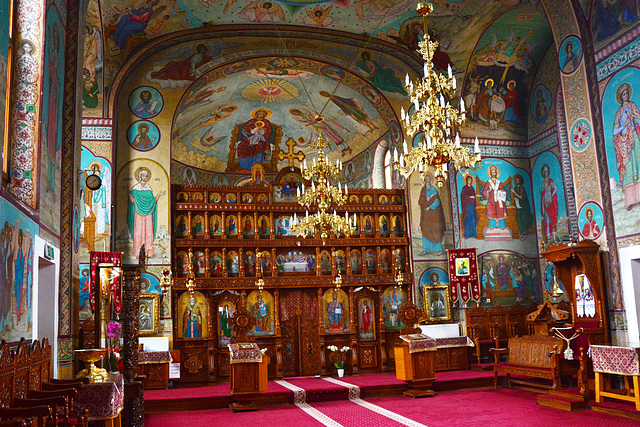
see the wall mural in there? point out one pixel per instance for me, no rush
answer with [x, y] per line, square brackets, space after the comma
[51, 143]
[430, 214]
[549, 200]
[241, 114]
[508, 278]
[496, 206]
[611, 18]
[4, 52]
[621, 119]
[496, 89]
[17, 240]
[542, 105]
[92, 63]
[144, 211]
[95, 206]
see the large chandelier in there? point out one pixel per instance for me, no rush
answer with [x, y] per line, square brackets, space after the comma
[322, 194]
[436, 117]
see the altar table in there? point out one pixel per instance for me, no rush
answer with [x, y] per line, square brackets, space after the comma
[155, 368]
[104, 401]
[623, 361]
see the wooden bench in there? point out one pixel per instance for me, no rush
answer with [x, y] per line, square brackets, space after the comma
[533, 356]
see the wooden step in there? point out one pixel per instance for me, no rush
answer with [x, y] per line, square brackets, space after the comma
[482, 368]
[564, 403]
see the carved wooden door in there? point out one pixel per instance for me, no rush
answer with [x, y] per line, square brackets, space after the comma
[300, 336]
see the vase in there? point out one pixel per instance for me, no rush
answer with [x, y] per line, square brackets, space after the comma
[340, 372]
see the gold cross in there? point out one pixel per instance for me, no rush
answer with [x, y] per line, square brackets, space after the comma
[291, 155]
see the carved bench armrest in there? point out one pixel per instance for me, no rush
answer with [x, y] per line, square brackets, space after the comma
[497, 352]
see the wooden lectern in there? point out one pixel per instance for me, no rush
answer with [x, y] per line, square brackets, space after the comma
[415, 355]
[248, 364]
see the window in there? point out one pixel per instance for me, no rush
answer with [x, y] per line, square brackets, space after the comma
[387, 170]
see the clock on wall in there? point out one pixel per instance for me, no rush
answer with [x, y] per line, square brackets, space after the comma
[93, 182]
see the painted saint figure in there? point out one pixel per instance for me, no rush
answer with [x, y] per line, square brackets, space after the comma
[437, 307]
[496, 200]
[351, 109]
[142, 213]
[192, 320]
[626, 140]
[571, 60]
[590, 229]
[142, 140]
[469, 202]
[256, 140]
[432, 222]
[260, 310]
[366, 316]
[549, 205]
[145, 108]
[523, 209]
[335, 311]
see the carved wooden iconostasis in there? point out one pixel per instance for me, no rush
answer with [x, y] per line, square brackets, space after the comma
[299, 313]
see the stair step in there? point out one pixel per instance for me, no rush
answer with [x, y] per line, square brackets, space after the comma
[561, 403]
[567, 395]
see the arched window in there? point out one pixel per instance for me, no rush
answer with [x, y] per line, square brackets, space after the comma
[387, 170]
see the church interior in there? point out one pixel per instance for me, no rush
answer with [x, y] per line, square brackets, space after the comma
[257, 208]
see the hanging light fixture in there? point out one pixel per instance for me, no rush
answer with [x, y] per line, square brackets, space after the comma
[323, 195]
[399, 275]
[191, 277]
[166, 280]
[260, 280]
[435, 117]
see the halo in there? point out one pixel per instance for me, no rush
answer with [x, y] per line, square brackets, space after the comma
[95, 162]
[497, 171]
[424, 178]
[468, 175]
[511, 82]
[253, 114]
[259, 124]
[621, 89]
[587, 210]
[195, 49]
[519, 176]
[487, 82]
[140, 169]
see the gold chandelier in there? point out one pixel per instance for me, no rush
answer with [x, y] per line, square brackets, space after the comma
[436, 117]
[323, 195]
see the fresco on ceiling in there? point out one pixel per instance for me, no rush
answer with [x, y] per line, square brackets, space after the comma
[430, 215]
[621, 119]
[542, 106]
[612, 18]
[240, 115]
[51, 143]
[17, 239]
[501, 69]
[508, 278]
[496, 207]
[95, 206]
[4, 52]
[92, 63]
[549, 200]
[145, 211]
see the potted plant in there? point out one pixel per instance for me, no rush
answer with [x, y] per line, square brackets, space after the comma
[113, 346]
[338, 357]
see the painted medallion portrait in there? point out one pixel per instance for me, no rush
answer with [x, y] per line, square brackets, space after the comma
[143, 135]
[146, 102]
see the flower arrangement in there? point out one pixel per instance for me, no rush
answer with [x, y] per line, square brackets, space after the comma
[338, 355]
[113, 345]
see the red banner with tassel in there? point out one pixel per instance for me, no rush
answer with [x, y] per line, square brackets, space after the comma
[463, 272]
[104, 260]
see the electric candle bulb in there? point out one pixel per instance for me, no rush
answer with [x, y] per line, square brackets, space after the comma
[462, 110]
[339, 187]
[402, 114]
[404, 145]
[298, 191]
[441, 101]
[476, 145]
[406, 80]
[416, 104]
[420, 167]
[444, 168]
[346, 190]
[453, 83]
[426, 69]
[449, 73]
[346, 216]
[457, 140]
[395, 155]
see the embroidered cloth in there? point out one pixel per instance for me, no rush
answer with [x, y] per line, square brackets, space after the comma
[102, 400]
[154, 357]
[245, 352]
[454, 342]
[419, 342]
[615, 360]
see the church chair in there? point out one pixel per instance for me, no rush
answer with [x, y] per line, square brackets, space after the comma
[70, 416]
[39, 414]
[62, 406]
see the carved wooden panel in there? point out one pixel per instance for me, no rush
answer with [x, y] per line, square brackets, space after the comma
[368, 356]
[290, 346]
[309, 347]
[194, 364]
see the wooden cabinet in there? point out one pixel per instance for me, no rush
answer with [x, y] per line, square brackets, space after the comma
[451, 358]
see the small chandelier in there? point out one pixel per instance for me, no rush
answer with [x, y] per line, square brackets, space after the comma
[399, 275]
[323, 195]
[166, 280]
[434, 116]
[337, 282]
[191, 277]
[260, 281]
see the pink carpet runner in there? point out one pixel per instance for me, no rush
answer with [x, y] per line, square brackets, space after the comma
[352, 413]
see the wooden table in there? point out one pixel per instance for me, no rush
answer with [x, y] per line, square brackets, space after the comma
[104, 401]
[623, 361]
[155, 368]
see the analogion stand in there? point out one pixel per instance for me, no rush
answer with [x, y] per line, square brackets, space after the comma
[248, 364]
[415, 364]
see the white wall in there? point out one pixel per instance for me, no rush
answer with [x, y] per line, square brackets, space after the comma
[45, 299]
[630, 276]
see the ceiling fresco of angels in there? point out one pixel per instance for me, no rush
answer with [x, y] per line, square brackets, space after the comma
[263, 109]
